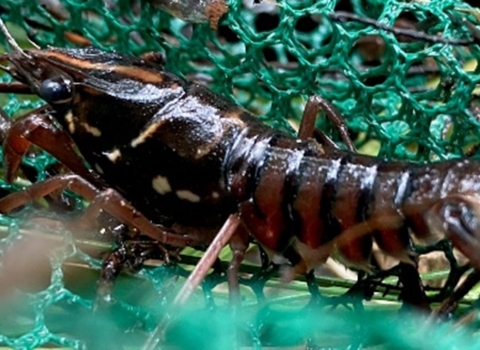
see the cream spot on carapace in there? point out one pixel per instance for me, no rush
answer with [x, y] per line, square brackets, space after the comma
[161, 184]
[70, 122]
[114, 155]
[215, 194]
[145, 134]
[188, 196]
[92, 129]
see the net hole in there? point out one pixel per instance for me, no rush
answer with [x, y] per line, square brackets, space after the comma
[228, 35]
[344, 5]
[270, 54]
[307, 24]
[266, 22]
[371, 49]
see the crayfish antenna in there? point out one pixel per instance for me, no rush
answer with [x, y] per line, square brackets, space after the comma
[11, 41]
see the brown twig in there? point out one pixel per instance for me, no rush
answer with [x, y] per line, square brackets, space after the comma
[411, 33]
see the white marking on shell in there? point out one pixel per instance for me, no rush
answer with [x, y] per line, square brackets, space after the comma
[91, 129]
[161, 184]
[145, 134]
[70, 122]
[188, 196]
[98, 169]
[114, 155]
[215, 194]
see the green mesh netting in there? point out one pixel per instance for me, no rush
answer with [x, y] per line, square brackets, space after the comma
[402, 98]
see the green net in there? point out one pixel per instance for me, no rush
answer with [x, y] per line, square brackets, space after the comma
[402, 98]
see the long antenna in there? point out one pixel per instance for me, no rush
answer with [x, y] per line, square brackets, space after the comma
[11, 41]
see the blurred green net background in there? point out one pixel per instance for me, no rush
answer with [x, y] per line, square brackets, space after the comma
[402, 99]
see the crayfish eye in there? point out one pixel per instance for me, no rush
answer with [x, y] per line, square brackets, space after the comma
[56, 91]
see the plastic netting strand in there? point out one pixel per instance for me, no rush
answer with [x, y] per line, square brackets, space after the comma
[402, 98]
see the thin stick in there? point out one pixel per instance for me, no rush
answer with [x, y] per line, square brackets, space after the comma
[411, 33]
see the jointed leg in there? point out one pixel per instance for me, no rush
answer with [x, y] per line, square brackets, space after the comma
[458, 217]
[413, 292]
[449, 305]
[223, 237]
[131, 255]
[37, 128]
[313, 288]
[109, 200]
[238, 245]
[307, 126]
